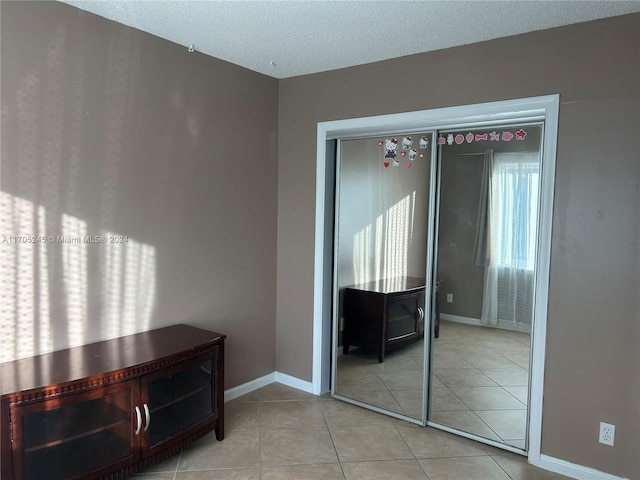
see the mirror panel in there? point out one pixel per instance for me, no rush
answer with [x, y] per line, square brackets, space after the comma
[488, 201]
[382, 200]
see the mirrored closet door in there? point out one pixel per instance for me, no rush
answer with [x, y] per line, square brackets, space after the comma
[488, 202]
[380, 259]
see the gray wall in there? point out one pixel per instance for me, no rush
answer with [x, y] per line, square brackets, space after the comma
[106, 128]
[592, 359]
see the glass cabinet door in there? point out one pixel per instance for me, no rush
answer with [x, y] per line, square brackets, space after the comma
[80, 434]
[404, 317]
[179, 399]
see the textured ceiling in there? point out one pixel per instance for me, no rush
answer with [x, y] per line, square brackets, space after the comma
[288, 38]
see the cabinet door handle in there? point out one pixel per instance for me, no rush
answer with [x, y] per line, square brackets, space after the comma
[421, 313]
[139, 418]
[147, 417]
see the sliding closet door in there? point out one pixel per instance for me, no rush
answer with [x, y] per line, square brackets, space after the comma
[380, 258]
[487, 228]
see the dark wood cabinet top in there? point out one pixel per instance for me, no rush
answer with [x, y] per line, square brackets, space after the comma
[390, 285]
[100, 358]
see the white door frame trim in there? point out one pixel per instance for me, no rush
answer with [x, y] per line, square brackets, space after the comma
[544, 107]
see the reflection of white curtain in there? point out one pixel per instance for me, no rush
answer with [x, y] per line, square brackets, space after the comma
[512, 219]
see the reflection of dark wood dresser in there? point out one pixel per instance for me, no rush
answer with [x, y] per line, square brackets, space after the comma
[383, 314]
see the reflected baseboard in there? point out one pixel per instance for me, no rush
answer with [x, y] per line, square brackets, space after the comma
[459, 319]
[478, 323]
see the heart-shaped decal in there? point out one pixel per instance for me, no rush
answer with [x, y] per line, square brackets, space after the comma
[408, 164]
[386, 164]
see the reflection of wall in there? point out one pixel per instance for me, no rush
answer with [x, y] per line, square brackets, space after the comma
[594, 278]
[461, 176]
[108, 129]
[382, 222]
[459, 195]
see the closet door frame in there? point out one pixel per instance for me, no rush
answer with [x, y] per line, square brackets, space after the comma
[543, 108]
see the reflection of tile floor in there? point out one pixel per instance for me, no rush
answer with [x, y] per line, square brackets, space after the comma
[278, 433]
[479, 383]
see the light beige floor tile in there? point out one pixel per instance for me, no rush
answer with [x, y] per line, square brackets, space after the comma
[416, 348]
[487, 398]
[445, 359]
[511, 424]
[488, 360]
[467, 468]
[435, 382]
[387, 470]
[238, 449]
[521, 393]
[410, 401]
[518, 443]
[277, 392]
[518, 469]
[465, 421]
[411, 380]
[221, 474]
[508, 377]
[246, 398]
[240, 416]
[338, 413]
[428, 442]
[300, 414]
[444, 400]
[153, 476]
[419, 361]
[369, 442]
[352, 380]
[325, 471]
[393, 364]
[291, 446]
[380, 398]
[467, 377]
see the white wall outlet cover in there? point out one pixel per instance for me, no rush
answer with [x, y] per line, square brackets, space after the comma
[607, 433]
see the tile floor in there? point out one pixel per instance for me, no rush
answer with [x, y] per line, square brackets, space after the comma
[279, 433]
[479, 385]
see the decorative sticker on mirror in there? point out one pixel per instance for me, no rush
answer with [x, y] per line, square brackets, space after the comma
[459, 138]
[390, 148]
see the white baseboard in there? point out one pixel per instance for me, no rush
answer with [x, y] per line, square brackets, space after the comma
[574, 471]
[249, 387]
[294, 382]
[265, 380]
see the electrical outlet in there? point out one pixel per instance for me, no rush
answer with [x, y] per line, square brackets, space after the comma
[607, 433]
[449, 297]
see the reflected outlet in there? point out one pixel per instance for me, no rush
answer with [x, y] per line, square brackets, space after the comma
[449, 297]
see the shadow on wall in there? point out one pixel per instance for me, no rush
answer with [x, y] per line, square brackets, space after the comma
[380, 250]
[41, 272]
[76, 194]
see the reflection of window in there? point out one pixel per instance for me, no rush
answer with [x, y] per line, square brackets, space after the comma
[514, 209]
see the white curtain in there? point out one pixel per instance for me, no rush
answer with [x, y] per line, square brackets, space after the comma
[511, 226]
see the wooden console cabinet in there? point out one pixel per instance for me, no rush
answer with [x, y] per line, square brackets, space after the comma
[112, 408]
[383, 314]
